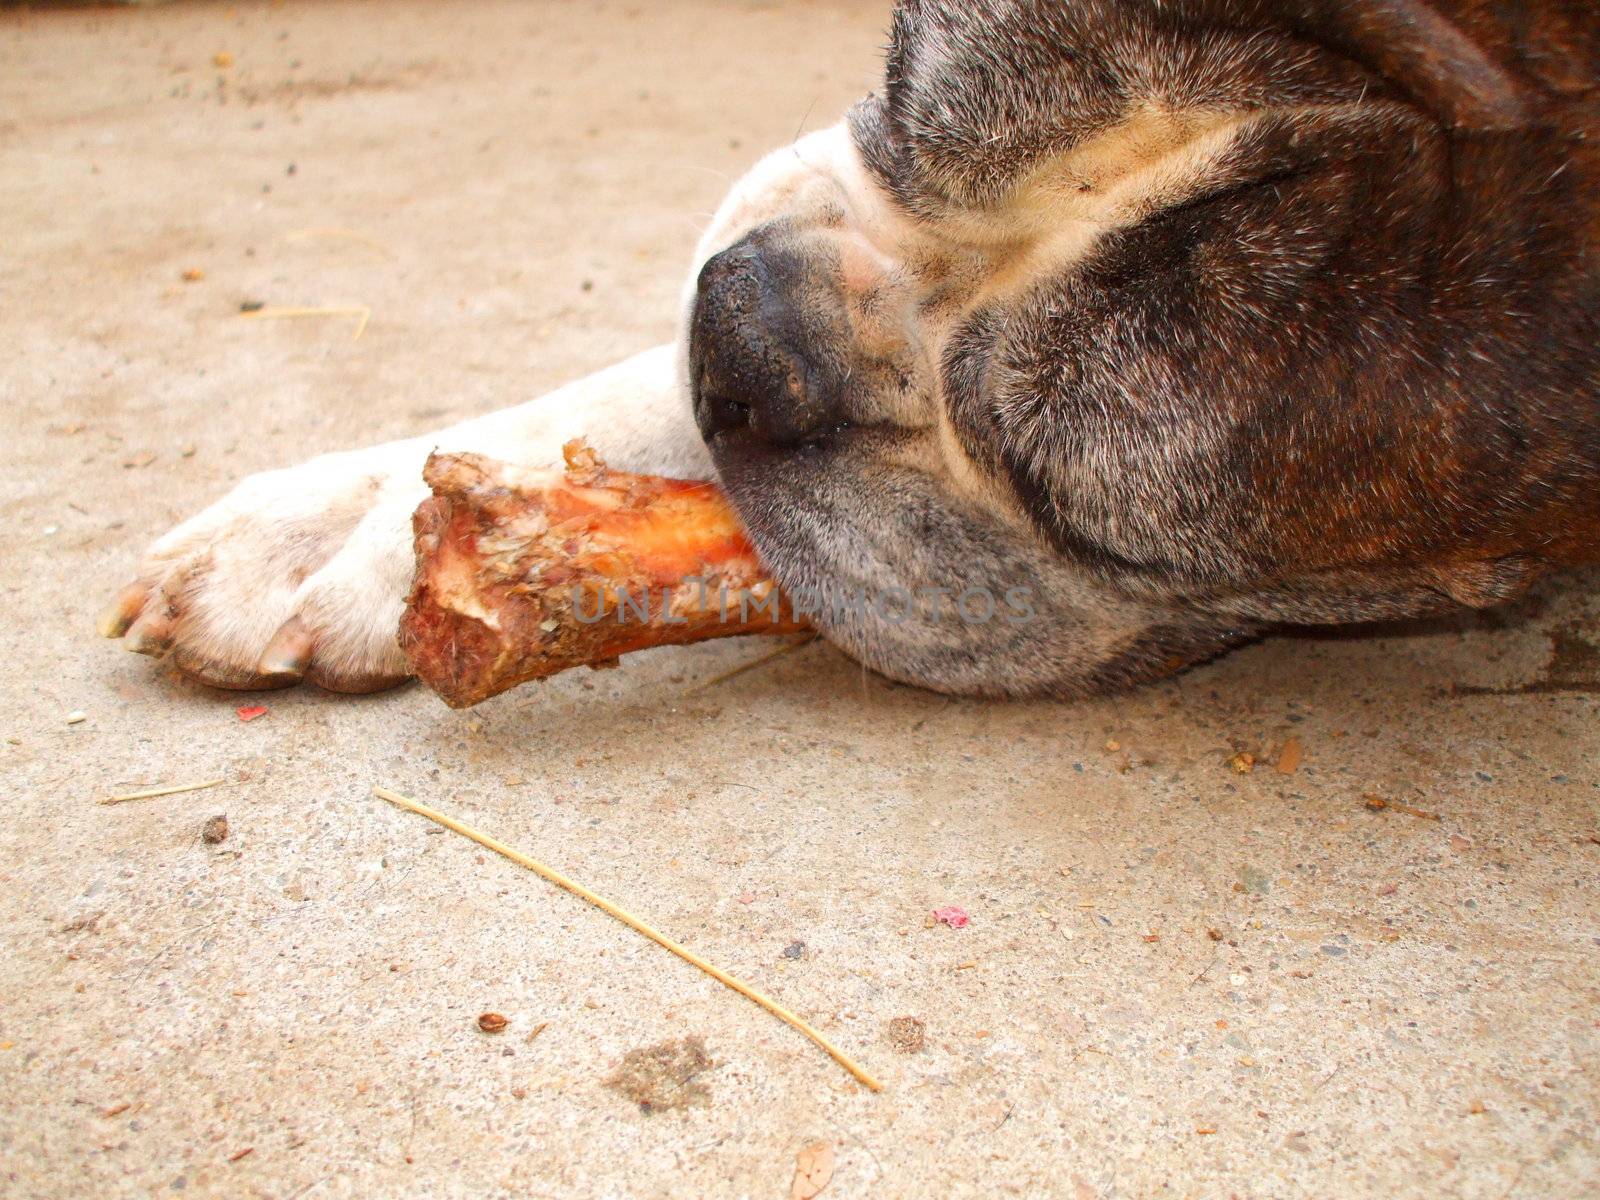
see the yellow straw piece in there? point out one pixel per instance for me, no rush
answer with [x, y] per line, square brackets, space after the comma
[638, 926]
[152, 793]
[361, 312]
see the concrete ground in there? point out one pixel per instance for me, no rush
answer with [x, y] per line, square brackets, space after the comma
[1178, 979]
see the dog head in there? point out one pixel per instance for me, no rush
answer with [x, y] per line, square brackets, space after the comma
[1098, 339]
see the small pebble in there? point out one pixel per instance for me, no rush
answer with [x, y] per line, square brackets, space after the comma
[77, 717]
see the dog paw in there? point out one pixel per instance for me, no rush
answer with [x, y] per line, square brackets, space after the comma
[298, 574]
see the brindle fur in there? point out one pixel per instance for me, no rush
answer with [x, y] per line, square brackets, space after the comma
[1344, 366]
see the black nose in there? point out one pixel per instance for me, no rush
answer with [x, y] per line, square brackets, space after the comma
[748, 364]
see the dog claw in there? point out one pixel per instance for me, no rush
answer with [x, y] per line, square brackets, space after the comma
[122, 612]
[151, 634]
[288, 654]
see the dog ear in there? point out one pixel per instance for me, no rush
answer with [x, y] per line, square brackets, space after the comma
[1444, 55]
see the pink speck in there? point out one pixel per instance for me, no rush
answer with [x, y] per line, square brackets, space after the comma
[251, 711]
[952, 915]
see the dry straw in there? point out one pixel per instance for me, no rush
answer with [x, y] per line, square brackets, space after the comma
[633, 922]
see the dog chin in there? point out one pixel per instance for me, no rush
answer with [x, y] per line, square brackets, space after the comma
[916, 583]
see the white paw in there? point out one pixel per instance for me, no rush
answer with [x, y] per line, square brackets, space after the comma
[296, 574]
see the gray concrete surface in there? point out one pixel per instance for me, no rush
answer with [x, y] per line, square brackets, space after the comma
[1397, 1006]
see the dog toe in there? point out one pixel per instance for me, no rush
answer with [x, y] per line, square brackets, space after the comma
[119, 616]
[151, 633]
[297, 575]
[289, 653]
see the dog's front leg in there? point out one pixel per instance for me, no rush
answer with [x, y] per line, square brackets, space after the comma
[302, 573]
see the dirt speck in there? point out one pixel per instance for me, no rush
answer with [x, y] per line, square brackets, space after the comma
[665, 1076]
[908, 1035]
[1290, 757]
[215, 831]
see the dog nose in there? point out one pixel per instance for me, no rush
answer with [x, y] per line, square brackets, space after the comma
[748, 368]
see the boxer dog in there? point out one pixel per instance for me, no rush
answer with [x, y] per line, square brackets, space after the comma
[1185, 318]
